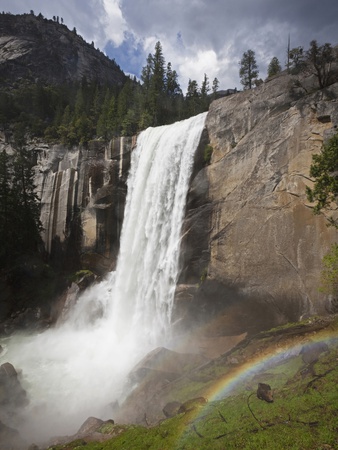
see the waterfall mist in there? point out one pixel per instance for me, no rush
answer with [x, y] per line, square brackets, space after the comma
[79, 368]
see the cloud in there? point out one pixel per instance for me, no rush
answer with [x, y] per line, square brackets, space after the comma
[197, 36]
[213, 34]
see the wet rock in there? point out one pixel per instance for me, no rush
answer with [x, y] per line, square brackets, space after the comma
[171, 409]
[12, 394]
[10, 438]
[165, 364]
[264, 392]
[192, 404]
[90, 425]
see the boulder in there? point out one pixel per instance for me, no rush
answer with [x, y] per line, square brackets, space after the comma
[89, 426]
[164, 364]
[10, 438]
[191, 404]
[171, 409]
[264, 392]
[12, 395]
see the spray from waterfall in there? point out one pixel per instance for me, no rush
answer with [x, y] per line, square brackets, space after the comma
[78, 368]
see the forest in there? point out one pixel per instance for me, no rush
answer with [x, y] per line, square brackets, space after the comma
[76, 113]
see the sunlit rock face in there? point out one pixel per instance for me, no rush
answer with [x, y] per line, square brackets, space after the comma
[265, 243]
[82, 194]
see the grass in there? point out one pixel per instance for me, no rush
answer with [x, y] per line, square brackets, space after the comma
[304, 414]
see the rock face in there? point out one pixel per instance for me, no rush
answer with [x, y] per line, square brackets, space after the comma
[45, 50]
[265, 246]
[82, 195]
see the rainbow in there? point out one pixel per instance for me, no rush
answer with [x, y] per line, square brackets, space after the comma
[258, 363]
[239, 375]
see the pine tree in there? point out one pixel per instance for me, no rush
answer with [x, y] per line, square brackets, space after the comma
[274, 67]
[248, 71]
[296, 60]
[215, 86]
[320, 58]
[192, 100]
[173, 94]
[324, 170]
[157, 85]
[205, 88]
[7, 206]
[20, 224]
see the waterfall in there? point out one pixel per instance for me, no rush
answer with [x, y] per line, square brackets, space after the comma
[77, 368]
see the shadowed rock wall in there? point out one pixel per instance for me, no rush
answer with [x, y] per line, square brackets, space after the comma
[82, 195]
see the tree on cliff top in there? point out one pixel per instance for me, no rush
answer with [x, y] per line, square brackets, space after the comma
[320, 58]
[248, 69]
[274, 67]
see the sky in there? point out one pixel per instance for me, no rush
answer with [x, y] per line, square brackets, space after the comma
[197, 36]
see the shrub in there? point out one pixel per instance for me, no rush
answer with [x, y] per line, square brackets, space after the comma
[329, 276]
[207, 154]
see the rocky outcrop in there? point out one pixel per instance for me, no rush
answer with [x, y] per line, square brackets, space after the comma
[82, 192]
[35, 48]
[263, 261]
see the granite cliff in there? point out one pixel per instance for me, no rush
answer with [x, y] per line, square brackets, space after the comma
[252, 248]
[254, 244]
[33, 48]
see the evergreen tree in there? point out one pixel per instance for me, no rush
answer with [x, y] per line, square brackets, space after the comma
[20, 224]
[7, 207]
[205, 88]
[157, 85]
[146, 76]
[274, 67]
[192, 99]
[323, 170]
[215, 86]
[320, 58]
[173, 95]
[102, 123]
[172, 87]
[296, 60]
[248, 71]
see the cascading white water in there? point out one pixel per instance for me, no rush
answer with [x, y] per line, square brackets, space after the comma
[77, 368]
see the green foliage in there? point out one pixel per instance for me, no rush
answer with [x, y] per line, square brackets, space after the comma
[77, 276]
[76, 113]
[302, 416]
[329, 275]
[248, 69]
[204, 275]
[296, 60]
[274, 67]
[324, 170]
[19, 207]
[320, 58]
[208, 153]
[215, 86]
[316, 60]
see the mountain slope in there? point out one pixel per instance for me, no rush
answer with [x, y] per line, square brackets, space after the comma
[37, 49]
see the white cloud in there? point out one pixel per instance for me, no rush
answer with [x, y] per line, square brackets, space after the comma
[197, 37]
[195, 66]
[113, 22]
